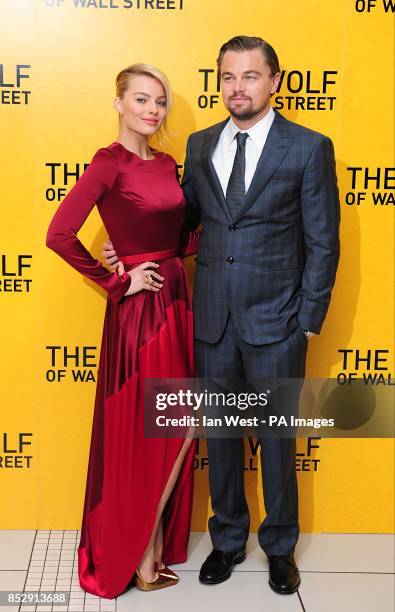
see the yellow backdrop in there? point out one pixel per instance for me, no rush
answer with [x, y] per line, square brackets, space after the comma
[58, 62]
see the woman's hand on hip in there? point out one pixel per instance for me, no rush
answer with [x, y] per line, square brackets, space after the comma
[144, 277]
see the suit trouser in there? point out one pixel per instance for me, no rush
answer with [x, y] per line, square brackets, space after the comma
[229, 526]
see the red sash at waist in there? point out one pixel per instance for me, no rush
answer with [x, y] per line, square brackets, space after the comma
[153, 256]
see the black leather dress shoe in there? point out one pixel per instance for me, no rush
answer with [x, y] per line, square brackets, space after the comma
[283, 574]
[218, 566]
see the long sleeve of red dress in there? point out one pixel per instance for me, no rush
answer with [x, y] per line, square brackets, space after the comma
[97, 180]
[189, 243]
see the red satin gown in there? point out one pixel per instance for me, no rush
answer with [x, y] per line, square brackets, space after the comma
[147, 334]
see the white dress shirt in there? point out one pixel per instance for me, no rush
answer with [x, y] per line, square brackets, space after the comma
[225, 150]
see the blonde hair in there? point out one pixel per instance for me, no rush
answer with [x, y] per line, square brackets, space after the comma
[122, 85]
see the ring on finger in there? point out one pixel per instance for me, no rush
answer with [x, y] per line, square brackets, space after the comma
[150, 280]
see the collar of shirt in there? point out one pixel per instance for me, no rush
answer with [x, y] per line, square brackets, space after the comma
[258, 132]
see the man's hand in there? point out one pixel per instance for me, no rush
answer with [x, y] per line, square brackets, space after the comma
[111, 259]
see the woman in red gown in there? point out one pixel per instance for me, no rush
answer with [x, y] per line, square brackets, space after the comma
[138, 498]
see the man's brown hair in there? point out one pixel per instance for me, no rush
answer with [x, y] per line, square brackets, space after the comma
[247, 43]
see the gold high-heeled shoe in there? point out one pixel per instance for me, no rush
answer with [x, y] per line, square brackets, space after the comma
[160, 583]
[167, 573]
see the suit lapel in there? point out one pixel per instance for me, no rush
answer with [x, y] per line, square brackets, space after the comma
[276, 146]
[210, 140]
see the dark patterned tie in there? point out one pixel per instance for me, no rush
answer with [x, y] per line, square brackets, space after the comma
[235, 191]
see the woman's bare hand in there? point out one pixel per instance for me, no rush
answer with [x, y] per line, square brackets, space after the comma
[143, 278]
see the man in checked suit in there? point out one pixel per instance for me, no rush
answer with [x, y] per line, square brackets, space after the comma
[265, 191]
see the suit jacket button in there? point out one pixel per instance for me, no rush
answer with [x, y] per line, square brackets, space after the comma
[232, 227]
[230, 259]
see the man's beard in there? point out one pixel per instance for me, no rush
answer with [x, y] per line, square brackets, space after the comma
[247, 113]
